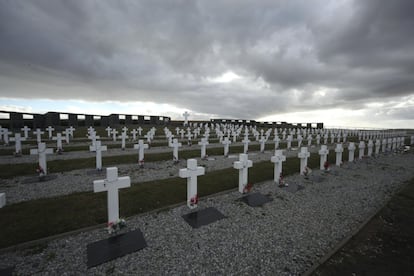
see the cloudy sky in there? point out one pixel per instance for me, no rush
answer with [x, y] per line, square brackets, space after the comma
[344, 63]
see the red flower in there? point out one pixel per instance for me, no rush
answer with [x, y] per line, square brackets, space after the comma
[194, 200]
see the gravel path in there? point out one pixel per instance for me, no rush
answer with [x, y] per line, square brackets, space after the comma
[284, 237]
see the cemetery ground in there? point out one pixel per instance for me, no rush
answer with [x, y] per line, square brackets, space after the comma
[271, 231]
[384, 246]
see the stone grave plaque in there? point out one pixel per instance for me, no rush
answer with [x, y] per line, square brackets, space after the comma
[256, 199]
[114, 247]
[37, 179]
[96, 172]
[8, 271]
[293, 187]
[316, 178]
[203, 217]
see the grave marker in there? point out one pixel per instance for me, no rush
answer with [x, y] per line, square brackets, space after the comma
[38, 134]
[108, 131]
[25, 130]
[243, 165]
[123, 138]
[2, 200]
[361, 149]
[175, 145]
[377, 146]
[226, 144]
[98, 148]
[58, 139]
[278, 160]
[303, 155]
[141, 147]
[42, 151]
[50, 130]
[18, 142]
[191, 173]
[245, 142]
[370, 146]
[323, 152]
[289, 142]
[351, 151]
[186, 115]
[339, 149]
[262, 142]
[203, 144]
[134, 134]
[114, 132]
[111, 185]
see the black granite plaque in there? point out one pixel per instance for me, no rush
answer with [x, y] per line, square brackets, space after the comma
[96, 172]
[256, 199]
[114, 247]
[203, 217]
[8, 271]
[37, 179]
[293, 187]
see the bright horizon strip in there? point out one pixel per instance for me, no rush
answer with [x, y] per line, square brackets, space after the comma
[335, 120]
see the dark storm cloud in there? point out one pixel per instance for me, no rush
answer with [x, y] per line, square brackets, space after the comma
[286, 52]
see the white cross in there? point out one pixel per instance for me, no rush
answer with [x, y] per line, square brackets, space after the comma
[177, 131]
[226, 144]
[351, 151]
[243, 165]
[262, 142]
[108, 131]
[186, 115]
[125, 129]
[300, 139]
[182, 133]
[370, 146]
[134, 134]
[191, 173]
[112, 184]
[67, 135]
[140, 147]
[90, 129]
[114, 133]
[384, 145]
[6, 134]
[318, 139]
[42, 151]
[71, 129]
[26, 130]
[245, 142]
[58, 140]
[18, 142]
[175, 145]
[123, 138]
[278, 159]
[92, 136]
[277, 141]
[323, 152]
[339, 150]
[289, 142]
[50, 130]
[309, 140]
[377, 146]
[38, 134]
[204, 142]
[98, 148]
[139, 131]
[303, 155]
[361, 149]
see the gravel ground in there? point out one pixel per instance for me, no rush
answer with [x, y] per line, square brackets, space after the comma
[17, 189]
[284, 237]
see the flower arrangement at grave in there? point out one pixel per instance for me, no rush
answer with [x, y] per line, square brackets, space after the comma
[141, 163]
[247, 188]
[175, 159]
[306, 172]
[326, 166]
[40, 171]
[282, 183]
[194, 200]
[116, 226]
